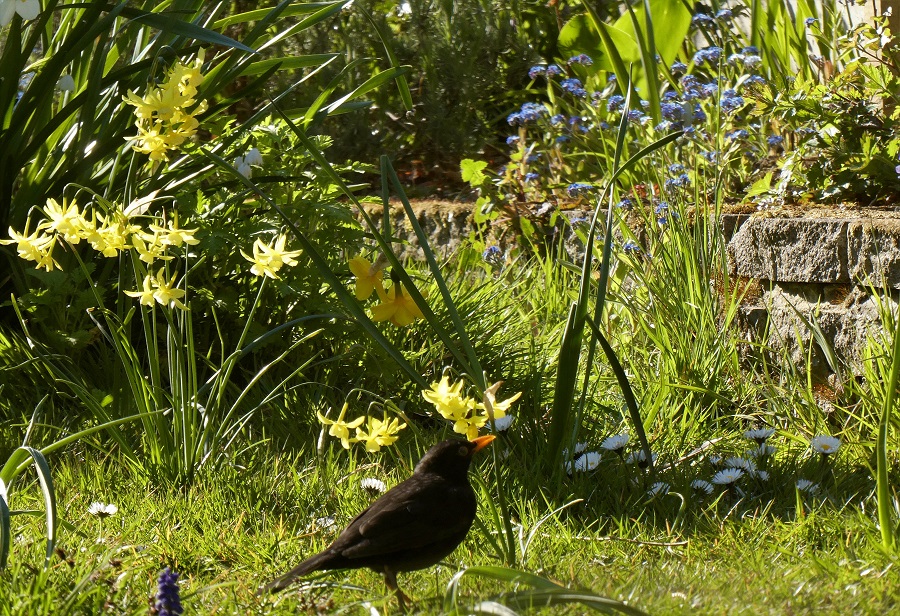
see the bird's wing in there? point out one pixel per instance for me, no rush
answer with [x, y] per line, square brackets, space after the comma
[415, 515]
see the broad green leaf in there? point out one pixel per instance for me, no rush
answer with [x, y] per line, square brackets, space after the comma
[671, 21]
[473, 171]
[759, 187]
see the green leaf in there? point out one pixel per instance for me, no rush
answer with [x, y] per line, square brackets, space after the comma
[759, 187]
[472, 171]
[174, 25]
[671, 21]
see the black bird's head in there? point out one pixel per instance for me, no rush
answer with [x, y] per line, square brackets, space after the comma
[451, 458]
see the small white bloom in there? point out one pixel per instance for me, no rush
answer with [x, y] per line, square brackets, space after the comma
[585, 462]
[27, 9]
[639, 457]
[658, 488]
[824, 444]
[760, 435]
[370, 484]
[243, 167]
[579, 448]
[66, 83]
[701, 485]
[764, 450]
[616, 442]
[745, 465]
[588, 461]
[326, 523]
[761, 475]
[102, 510]
[805, 485]
[404, 9]
[502, 423]
[727, 476]
[253, 157]
[715, 460]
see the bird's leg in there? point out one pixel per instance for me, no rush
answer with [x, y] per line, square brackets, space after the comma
[390, 580]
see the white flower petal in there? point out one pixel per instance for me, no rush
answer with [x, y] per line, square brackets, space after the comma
[28, 9]
[7, 10]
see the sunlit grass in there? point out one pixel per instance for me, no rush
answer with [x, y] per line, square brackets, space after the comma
[236, 529]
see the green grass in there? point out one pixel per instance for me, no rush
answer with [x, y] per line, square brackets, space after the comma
[240, 523]
[234, 529]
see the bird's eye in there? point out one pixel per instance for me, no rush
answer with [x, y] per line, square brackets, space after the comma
[464, 451]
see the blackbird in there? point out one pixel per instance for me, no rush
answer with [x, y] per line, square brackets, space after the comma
[411, 526]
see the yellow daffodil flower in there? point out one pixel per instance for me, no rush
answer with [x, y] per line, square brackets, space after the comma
[66, 220]
[453, 406]
[470, 425]
[340, 428]
[146, 294]
[496, 410]
[172, 235]
[165, 118]
[379, 433]
[151, 141]
[368, 277]
[149, 247]
[160, 289]
[397, 307]
[113, 234]
[447, 400]
[34, 247]
[268, 259]
[166, 293]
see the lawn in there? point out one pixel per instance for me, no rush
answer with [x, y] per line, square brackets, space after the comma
[212, 357]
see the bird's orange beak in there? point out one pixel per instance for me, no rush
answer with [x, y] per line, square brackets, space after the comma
[482, 441]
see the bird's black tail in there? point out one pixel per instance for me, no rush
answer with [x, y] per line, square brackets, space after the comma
[313, 563]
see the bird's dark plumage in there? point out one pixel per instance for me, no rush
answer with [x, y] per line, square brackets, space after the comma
[413, 525]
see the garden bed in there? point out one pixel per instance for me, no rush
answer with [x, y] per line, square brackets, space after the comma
[830, 265]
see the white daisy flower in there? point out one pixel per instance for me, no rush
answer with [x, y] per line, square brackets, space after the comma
[502, 423]
[102, 510]
[727, 476]
[715, 460]
[326, 523]
[824, 444]
[805, 485]
[746, 465]
[760, 435]
[585, 462]
[588, 461]
[579, 449]
[761, 475]
[701, 485]
[616, 442]
[658, 488]
[640, 458]
[372, 485]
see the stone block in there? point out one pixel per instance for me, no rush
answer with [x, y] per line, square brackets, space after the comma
[873, 252]
[791, 250]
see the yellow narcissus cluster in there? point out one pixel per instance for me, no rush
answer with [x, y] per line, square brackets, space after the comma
[109, 235]
[394, 305]
[166, 113]
[378, 433]
[467, 415]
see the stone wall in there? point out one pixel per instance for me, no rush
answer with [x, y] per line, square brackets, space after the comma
[822, 271]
